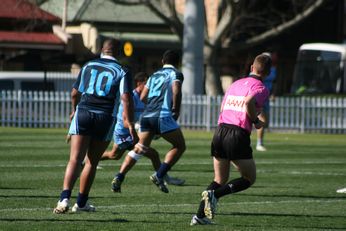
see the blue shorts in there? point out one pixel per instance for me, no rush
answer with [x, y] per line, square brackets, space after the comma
[124, 142]
[158, 125]
[266, 107]
[98, 125]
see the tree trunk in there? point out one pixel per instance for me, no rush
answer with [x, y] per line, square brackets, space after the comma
[212, 75]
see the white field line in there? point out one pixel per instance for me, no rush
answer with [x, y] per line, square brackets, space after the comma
[184, 205]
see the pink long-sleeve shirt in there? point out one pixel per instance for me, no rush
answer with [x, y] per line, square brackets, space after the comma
[233, 108]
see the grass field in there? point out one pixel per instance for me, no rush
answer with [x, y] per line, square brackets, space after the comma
[295, 188]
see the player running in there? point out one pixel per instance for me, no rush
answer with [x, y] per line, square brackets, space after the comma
[242, 102]
[162, 95]
[95, 99]
[123, 140]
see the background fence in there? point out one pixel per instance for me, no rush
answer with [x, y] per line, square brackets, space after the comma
[296, 114]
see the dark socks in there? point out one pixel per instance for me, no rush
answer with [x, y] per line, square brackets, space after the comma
[65, 194]
[120, 176]
[164, 168]
[213, 186]
[233, 186]
[200, 212]
[82, 199]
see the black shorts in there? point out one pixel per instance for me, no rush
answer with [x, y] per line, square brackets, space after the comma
[231, 142]
[100, 126]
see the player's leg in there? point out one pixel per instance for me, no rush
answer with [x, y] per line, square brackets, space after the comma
[263, 116]
[114, 154]
[208, 203]
[131, 159]
[78, 148]
[95, 151]
[120, 145]
[177, 140]
[101, 128]
[247, 169]
[154, 157]
[125, 167]
[238, 146]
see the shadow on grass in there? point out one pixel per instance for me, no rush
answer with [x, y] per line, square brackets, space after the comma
[28, 196]
[59, 220]
[290, 196]
[8, 188]
[155, 213]
[259, 227]
[279, 215]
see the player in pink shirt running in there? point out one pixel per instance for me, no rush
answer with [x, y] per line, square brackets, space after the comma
[241, 104]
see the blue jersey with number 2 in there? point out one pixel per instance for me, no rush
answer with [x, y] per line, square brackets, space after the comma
[101, 83]
[160, 96]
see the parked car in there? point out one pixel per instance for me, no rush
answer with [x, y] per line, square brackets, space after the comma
[320, 69]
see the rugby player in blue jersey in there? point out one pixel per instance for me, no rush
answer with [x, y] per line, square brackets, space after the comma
[101, 85]
[123, 140]
[162, 95]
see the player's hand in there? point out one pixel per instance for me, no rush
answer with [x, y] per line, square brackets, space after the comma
[156, 137]
[175, 115]
[68, 138]
[259, 124]
[133, 134]
[71, 116]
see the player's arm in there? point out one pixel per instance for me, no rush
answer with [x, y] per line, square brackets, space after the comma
[128, 114]
[128, 105]
[177, 95]
[75, 98]
[144, 94]
[250, 104]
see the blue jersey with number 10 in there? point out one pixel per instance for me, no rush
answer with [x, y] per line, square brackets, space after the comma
[160, 96]
[101, 83]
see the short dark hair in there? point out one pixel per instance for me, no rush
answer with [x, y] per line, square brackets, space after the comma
[141, 77]
[262, 64]
[110, 46]
[171, 57]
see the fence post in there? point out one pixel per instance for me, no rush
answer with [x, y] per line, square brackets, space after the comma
[20, 108]
[302, 119]
[3, 94]
[208, 112]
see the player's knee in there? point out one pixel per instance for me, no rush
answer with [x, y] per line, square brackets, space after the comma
[138, 151]
[251, 179]
[134, 155]
[181, 147]
[141, 149]
[152, 154]
[111, 155]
